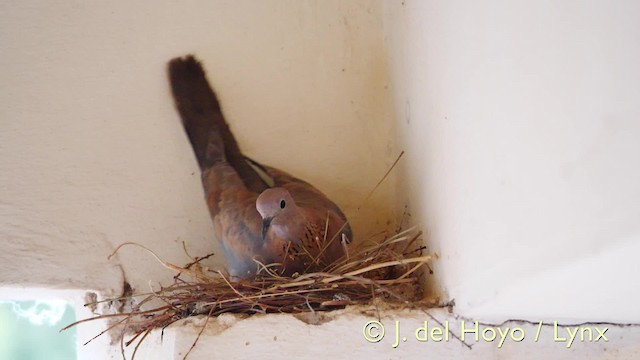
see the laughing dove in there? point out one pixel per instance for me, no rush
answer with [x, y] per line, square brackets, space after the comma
[260, 214]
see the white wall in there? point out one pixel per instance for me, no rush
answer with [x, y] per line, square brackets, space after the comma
[93, 153]
[521, 123]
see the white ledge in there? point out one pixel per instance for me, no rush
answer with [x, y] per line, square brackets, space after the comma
[340, 335]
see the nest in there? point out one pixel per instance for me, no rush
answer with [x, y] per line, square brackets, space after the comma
[386, 269]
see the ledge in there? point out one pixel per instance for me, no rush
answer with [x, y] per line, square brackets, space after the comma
[339, 335]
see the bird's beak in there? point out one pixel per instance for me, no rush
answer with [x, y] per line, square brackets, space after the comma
[266, 222]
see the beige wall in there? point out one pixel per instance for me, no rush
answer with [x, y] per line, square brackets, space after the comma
[93, 152]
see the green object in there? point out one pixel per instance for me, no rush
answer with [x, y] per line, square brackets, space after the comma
[30, 330]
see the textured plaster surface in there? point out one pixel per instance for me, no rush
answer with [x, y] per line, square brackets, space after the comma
[340, 336]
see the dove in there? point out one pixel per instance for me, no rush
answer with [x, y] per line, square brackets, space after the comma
[261, 215]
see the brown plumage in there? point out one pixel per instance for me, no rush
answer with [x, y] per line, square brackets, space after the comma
[290, 222]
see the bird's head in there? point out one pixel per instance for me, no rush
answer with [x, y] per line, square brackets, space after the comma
[272, 204]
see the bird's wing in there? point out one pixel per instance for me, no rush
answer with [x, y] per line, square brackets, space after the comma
[236, 221]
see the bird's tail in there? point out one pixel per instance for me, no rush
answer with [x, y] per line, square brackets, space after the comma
[202, 118]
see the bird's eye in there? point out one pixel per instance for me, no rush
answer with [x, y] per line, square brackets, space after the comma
[282, 204]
